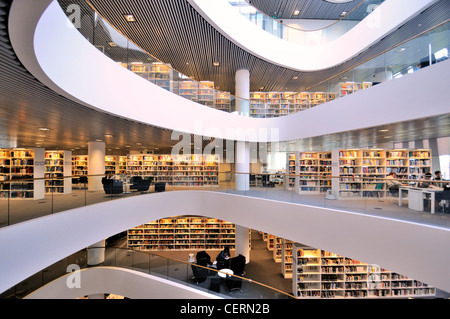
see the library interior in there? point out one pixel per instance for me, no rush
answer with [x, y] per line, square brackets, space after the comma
[226, 149]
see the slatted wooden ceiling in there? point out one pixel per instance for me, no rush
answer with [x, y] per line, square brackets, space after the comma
[173, 32]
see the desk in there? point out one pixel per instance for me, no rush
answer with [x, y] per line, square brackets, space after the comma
[224, 272]
[415, 197]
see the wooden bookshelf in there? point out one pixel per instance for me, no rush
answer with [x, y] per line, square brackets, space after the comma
[314, 169]
[162, 75]
[286, 263]
[277, 249]
[223, 101]
[321, 274]
[182, 233]
[111, 164]
[291, 169]
[79, 165]
[58, 172]
[206, 94]
[177, 170]
[346, 88]
[356, 166]
[19, 167]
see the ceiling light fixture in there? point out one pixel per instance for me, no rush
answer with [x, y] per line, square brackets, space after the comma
[108, 135]
[296, 12]
[130, 17]
[215, 63]
[343, 13]
[44, 129]
[112, 44]
[295, 78]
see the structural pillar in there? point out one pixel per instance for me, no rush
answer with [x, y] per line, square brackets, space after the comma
[96, 253]
[243, 242]
[242, 151]
[96, 165]
[435, 162]
[242, 92]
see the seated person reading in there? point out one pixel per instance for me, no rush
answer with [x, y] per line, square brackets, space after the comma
[223, 258]
[423, 183]
[392, 184]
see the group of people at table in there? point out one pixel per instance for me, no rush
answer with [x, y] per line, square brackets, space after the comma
[427, 182]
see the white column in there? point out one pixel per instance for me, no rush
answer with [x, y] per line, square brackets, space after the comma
[435, 162]
[39, 172]
[242, 164]
[243, 242]
[242, 153]
[67, 172]
[96, 165]
[96, 253]
[242, 92]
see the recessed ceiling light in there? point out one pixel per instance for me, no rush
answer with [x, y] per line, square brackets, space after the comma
[112, 44]
[130, 17]
[215, 63]
[108, 135]
[343, 13]
[296, 12]
[44, 129]
[138, 143]
[384, 130]
[294, 77]
[99, 140]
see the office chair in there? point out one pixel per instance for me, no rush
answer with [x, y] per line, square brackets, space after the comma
[237, 264]
[200, 274]
[233, 283]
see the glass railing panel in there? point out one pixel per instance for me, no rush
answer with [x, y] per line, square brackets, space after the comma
[299, 31]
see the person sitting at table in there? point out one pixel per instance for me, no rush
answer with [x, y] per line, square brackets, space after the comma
[438, 177]
[424, 183]
[392, 184]
[223, 258]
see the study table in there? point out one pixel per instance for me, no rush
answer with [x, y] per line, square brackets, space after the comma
[415, 196]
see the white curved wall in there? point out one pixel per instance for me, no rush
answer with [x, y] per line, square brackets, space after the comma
[63, 60]
[119, 281]
[414, 250]
[383, 20]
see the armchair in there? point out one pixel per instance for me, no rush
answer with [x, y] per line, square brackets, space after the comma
[112, 186]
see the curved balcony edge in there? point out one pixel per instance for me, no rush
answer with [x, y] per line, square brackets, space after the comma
[383, 20]
[412, 249]
[40, 40]
[120, 281]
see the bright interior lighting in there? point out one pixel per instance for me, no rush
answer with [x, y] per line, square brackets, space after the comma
[296, 12]
[441, 54]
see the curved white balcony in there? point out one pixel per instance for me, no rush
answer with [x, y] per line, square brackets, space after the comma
[384, 19]
[61, 58]
[411, 249]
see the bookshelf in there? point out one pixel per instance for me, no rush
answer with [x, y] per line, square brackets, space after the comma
[314, 169]
[274, 104]
[18, 166]
[111, 165]
[346, 88]
[177, 170]
[58, 172]
[162, 75]
[223, 101]
[182, 233]
[354, 164]
[79, 165]
[286, 258]
[188, 90]
[419, 163]
[291, 169]
[122, 165]
[322, 274]
[277, 249]
[258, 104]
[206, 94]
